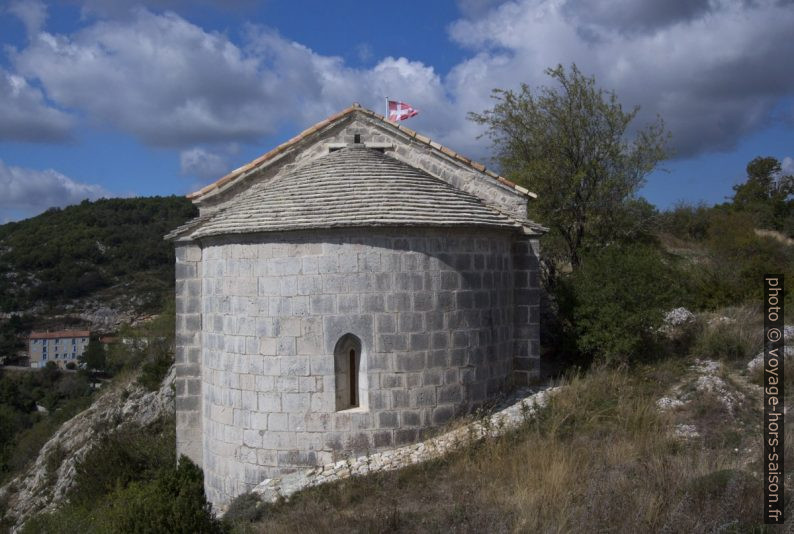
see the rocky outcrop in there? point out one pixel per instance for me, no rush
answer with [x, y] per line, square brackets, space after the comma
[678, 317]
[788, 336]
[44, 485]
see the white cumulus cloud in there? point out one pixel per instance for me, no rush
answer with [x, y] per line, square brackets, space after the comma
[203, 163]
[710, 69]
[26, 116]
[32, 13]
[30, 190]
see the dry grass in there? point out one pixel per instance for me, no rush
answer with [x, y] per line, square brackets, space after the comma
[732, 334]
[599, 458]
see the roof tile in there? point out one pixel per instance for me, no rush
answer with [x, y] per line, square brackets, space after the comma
[351, 187]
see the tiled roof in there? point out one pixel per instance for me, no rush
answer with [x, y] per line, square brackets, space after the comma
[237, 173]
[351, 187]
[60, 334]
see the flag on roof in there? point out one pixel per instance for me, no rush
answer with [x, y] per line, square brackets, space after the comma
[399, 111]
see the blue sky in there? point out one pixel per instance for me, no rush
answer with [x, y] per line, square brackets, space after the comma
[129, 98]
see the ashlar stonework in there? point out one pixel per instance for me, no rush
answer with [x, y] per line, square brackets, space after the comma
[343, 294]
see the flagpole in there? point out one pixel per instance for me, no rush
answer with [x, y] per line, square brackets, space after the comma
[387, 108]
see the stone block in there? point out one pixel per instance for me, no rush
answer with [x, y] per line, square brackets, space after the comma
[277, 422]
[392, 342]
[346, 263]
[398, 302]
[411, 418]
[411, 322]
[386, 324]
[295, 402]
[373, 303]
[269, 402]
[284, 266]
[259, 421]
[420, 342]
[330, 264]
[323, 304]
[424, 396]
[432, 377]
[400, 398]
[442, 415]
[405, 436]
[348, 303]
[295, 366]
[388, 419]
[383, 438]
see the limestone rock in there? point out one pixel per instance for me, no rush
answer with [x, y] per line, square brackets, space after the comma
[39, 488]
[758, 362]
[678, 317]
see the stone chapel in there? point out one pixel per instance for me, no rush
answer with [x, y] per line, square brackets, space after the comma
[343, 293]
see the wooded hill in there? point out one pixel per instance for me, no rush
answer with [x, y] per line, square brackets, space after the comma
[73, 252]
[110, 250]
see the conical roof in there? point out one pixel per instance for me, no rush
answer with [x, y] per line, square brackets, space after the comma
[351, 187]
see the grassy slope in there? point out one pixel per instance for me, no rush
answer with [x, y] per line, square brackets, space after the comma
[602, 457]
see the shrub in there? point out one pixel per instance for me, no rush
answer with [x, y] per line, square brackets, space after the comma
[731, 341]
[617, 301]
[686, 221]
[174, 502]
[246, 508]
[125, 456]
[738, 261]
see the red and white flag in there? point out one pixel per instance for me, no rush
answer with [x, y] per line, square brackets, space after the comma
[399, 111]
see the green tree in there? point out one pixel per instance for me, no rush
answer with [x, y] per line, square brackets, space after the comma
[94, 356]
[617, 301]
[767, 194]
[570, 145]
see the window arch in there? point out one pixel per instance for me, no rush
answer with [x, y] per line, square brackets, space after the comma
[350, 376]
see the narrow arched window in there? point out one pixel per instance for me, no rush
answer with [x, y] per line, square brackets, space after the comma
[353, 378]
[348, 372]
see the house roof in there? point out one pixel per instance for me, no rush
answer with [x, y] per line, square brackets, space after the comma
[351, 187]
[59, 334]
[355, 108]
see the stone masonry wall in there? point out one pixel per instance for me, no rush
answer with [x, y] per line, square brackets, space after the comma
[434, 311]
[188, 352]
[526, 272]
[520, 408]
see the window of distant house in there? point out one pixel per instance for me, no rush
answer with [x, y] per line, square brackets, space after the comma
[349, 379]
[44, 356]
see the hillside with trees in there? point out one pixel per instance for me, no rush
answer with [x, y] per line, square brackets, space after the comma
[109, 252]
[76, 251]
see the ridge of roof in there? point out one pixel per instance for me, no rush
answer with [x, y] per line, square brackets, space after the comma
[238, 172]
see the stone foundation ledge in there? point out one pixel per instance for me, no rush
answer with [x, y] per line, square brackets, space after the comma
[519, 407]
